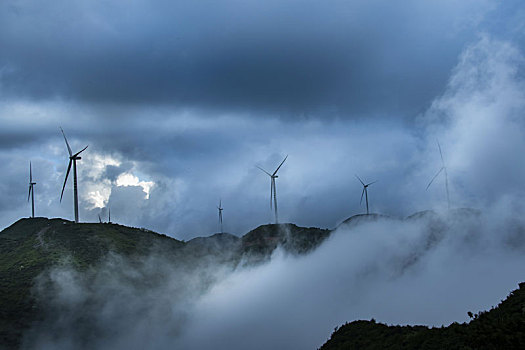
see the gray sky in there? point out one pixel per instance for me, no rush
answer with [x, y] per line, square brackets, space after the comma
[179, 101]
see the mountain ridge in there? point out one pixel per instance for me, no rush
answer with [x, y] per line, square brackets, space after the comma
[30, 246]
[502, 327]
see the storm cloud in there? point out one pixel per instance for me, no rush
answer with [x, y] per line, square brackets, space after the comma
[164, 162]
[293, 58]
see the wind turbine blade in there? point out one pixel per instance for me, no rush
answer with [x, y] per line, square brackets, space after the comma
[439, 172]
[264, 170]
[362, 193]
[30, 173]
[361, 181]
[220, 203]
[67, 144]
[83, 149]
[441, 154]
[371, 183]
[276, 170]
[446, 187]
[65, 180]
[29, 195]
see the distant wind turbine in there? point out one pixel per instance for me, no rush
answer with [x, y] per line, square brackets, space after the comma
[72, 160]
[99, 219]
[109, 215]
[443, 169]
[273, 189]
[365, 192]
[31, 191]
[220, 213]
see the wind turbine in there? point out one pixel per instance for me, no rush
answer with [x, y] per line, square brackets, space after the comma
[109, 216]
[99, 219]
[443, 169]
[273, 189]
[72, 160]
[220, 213]
[31, 191]
[365, 192]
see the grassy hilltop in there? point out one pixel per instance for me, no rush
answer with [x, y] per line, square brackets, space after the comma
[30, 246]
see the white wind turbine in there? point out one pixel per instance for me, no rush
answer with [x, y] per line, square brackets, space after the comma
[444, 170]
[273, 188]
[72, 161]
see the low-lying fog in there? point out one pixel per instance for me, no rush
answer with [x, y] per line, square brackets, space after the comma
[427, 270]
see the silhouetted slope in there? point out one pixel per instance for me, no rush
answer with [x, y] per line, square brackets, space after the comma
[223, 247]
[215, 242]
[502, 327]
[29, 246]
[258, 244]
[361, 218]
[457, 213]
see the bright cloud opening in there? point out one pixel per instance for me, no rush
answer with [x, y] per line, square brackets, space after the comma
[128, 179]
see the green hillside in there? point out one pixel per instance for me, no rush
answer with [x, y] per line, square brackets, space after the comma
[503, 327]
[30, 247]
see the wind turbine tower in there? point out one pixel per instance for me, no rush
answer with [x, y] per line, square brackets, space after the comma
[273, 189]
[31, 191]
[444, 170]
[220, 214]
[365, 192]
[72, 161]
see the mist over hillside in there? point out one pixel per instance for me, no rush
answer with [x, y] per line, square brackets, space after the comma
[430, 269]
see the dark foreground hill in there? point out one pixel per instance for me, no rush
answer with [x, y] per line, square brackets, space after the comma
[503, 327]
[30, 247]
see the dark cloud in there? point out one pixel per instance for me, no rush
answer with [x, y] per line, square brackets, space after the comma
[112, 172]
[196, 155]
[336, 58]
